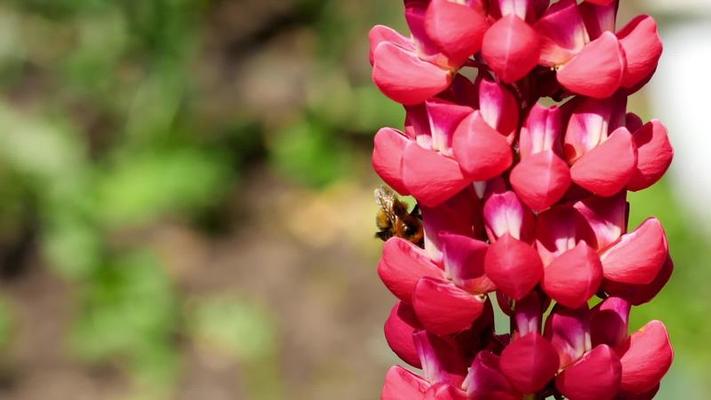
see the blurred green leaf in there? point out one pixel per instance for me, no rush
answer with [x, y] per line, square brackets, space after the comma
[238, 328]
[308, 153]
[129, 310]
[147, 185]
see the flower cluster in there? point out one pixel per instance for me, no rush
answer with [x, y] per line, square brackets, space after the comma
[519, 151]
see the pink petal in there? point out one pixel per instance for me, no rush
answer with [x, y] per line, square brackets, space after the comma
[482, 152]
[417, 124]
[648, 395]
[642, 48]
[505, 214]
[486, 381]
[638, 256]
[590, 122]
[568, 332]
[444, 118]
[445, 309]
[574, 276]
[399, 327]
[429, 176]
[457, 29]
[640, 294]
[513, 266]
[444, 391]
[562, 33]
[381, 33]
[606, 169]
[607, 216]
[609, 322]
[459, 215]
[654, 155]
[633, 122]
[401, 384]
[442, 361]
[402, 265]
[595, 377]
[560, 229]
[511, 48]
[387, 157]
[403, 77]
[542, 131]
[647, 359]
[528, 313]
[541, 180]
[464, 262]
[597, 71]
[528, 10]
[462, 91]
[415, 11]
[499, 108]
[529, 362]
[599, 18]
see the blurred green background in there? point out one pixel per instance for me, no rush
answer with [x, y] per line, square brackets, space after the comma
[186, 205]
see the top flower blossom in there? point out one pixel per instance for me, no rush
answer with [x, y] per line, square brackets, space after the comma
[522, 200]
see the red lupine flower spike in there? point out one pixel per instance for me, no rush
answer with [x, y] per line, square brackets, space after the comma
[521, 201]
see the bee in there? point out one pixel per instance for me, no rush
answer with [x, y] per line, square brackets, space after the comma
[393, 219]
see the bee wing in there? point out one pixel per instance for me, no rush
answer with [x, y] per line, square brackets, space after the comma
[385, 199]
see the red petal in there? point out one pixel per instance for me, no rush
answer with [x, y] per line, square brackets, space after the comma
[590, 123]
[402, 265]
[599, 18]
[541, 180]
[445, 309]
[486, 381]
[513, 266]
[654, 154]
[647, 359]
[607, 216]
[401, 384]
[528, 313]
[609, 322]
[597, 71]
[562, 33]
[442, 359]
[399, 327]
[606, 169]
[542, 131]
[643, 48]
[464, 262]
[528, 10]
[574, 276]
[560, 229]
[640, 294]
[459, 214]
[529, 362]
[429, 176]
[387, 157]
[482, 152]
[505, 214]
[638, 256]
[443, 118]
[568, 332]
[595, 377]
[381, 33]
[444, 391]
[511, 48]
[457, 29]
[499, 108]
[403, 77]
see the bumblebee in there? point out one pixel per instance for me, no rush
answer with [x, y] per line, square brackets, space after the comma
[393, 219]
